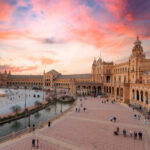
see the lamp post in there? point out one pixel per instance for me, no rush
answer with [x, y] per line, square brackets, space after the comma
[55, 97]
[61, 108]
[25, 98]
[43, 94]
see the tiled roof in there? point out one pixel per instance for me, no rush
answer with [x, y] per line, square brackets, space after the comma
[75, 76]
[26, 76]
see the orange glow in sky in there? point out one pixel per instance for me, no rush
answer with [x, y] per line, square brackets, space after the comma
[66, 35]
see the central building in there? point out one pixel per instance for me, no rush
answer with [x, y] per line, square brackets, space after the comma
[128, 82]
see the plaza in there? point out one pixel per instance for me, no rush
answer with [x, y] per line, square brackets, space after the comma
[90, 130]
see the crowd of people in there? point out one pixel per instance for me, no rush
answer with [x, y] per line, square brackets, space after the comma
[80, 106]
[134, 134]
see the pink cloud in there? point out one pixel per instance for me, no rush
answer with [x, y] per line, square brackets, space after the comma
[43, 60]
[86, 29]
[5, 11]
[17, 69]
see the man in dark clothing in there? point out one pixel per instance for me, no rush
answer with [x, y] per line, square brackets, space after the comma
[124, 132]
[115, 119]
[49, 124]
[135, 135]
[140, 135]
[33, 142]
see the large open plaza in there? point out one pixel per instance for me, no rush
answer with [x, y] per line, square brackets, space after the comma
[90, 130]
[75, 74]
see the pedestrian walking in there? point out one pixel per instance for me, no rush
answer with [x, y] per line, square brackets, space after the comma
[111, 119]
[130, 132]
[144, 121]
[139, 117]
[37, 143]
[135, 135]
[140, 135]
[134, 116]
[33, 142]
[49, 124]
[114, 119]
[76, 109]
[124, 133]
[117, 129]
[84, 109]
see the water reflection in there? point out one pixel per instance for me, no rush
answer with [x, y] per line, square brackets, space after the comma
[41, 116]
[16, 125]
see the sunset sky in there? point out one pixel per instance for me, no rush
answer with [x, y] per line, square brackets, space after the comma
[66, 35]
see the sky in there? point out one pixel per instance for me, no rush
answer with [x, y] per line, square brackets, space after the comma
[66, 35]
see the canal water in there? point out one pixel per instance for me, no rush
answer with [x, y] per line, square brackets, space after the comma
[41, 116]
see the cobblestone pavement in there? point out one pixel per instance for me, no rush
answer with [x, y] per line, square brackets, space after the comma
[90, 130]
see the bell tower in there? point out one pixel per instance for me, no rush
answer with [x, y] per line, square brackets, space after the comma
[135, 62]
[137, 50]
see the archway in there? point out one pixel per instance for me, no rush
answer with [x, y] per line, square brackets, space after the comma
[133, 94]
[141, 96]
[137, 95]
[117, 91]
[99, 90]
[112, 90]
[146, 96]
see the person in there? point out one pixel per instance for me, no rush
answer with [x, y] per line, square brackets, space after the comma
[81, 104]
[139, 116]
[37, 146]
[140, 135]
[144, 121]
[76, 109]
[111, 119]
[130, 133]
[33, 142]
[114, 119]
[117, 130]
[124, 132]
[135, 135]
[84, 109]
[134, 116]
[115, 133]
[49, 124]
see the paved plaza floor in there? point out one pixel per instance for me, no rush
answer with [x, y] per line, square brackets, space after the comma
[90, 130]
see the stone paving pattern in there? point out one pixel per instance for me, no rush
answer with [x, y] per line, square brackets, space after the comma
[91, 130]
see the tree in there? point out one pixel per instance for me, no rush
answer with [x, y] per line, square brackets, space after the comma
[16, 108]
[37, 103]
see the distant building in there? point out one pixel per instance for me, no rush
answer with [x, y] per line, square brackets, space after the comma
[127, 82]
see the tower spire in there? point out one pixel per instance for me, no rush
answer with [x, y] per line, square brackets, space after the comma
[137, 37]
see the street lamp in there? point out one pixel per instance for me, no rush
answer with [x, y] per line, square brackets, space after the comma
[61, 108]
[25, 98]
[43, 94]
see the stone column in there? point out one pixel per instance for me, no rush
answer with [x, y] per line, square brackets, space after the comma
[144, 98]
[135, 97]
[140, 96]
